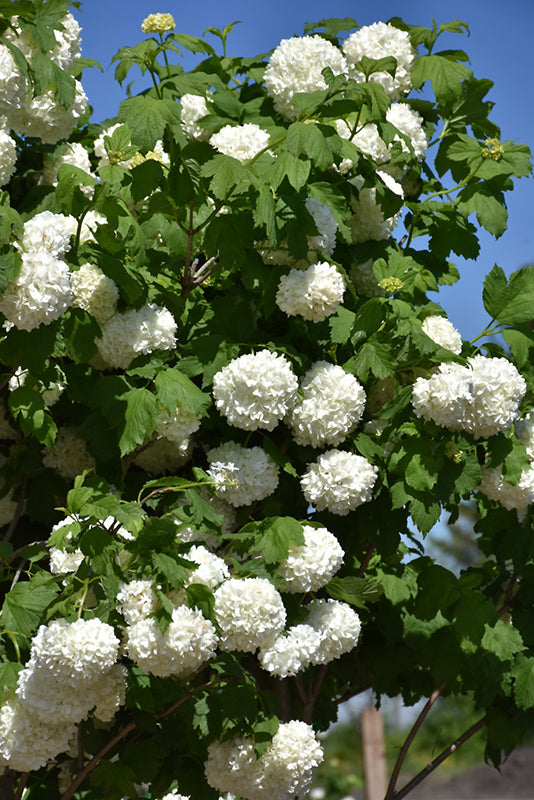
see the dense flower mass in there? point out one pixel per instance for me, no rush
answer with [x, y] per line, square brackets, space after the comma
[481, 398]
[368, 222]
[332, 404]
[8, 154]
[43, 117]
[158, 23]
[74, 154]
[250, 612]
[518, 496]
[291, 652]
[314, 293]
[310, 566]
[443, 332]
[164, 455]
[242, 475]
[178, 426]
[93, 291]
[339, 481]
[296, 66]
[339, 628]
[255, 390]
[325, 241]
[242, 142]
[381, 40]
[41, 293]
[136, 331]
[283, 772]
[193, 108]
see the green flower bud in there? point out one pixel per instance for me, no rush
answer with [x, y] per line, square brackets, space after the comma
[492, 149]
[391, 285]
[454, 453]
[158, 23]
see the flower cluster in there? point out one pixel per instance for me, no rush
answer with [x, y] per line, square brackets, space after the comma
[332, 404]
[193, 108]
[296, 66]
[126, 335]
[326, 224]
[163, 455]
[381, 40]
[69, 455]
[255, 390]
[481, 398]
[250, 612]
[368, 221]
[283, 772]
[310, 566]
[518, 496]
[339, 481]
[178, 426]
[158, 23]
[314, 293]
[74, 154]
[443, 332]
[93, 291]
[8, 153]
[242, 475]
[242, 142]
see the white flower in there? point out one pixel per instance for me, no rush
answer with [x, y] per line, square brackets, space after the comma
[283, 772]
[109, 693]
[332, 405]
[482, 398]
[368, 140]
[339, 626]
[291, 653]
[74, 154]
[518, 496]
[339, 481]
[410, 123]
[443, 332]
[164, 456]
[310, 566]
[62, 561]
[381, 40]
[242, 475]
[314, 293]
[296, 66]
[242, 142]
[8, 154]
[326, 224]
[93, 291]
[136, 331]
[48, 232]
[44, 118]
[255, 390]
[51, 391]
[136, 600]
[13, 85]
[69, 455]
[211, 570]
[100, 151]
[178, 426]
[158, 23]
[41, 294]
[194, 107]
[368, 222]
[250, 613]
[189, 640]
[69, 43]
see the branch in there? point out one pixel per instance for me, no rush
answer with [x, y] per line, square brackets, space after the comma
[409, 739]
[18, 512]
[22, 785]
[508, 596]
[365, 563]
[440, 759]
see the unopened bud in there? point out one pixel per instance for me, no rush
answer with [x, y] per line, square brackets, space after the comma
[492, 149]
[158, 23]
[454, 453]
[391, 285]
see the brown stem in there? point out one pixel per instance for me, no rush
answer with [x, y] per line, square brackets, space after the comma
[440, 759]
[17, 575]
[365, 563]
[18, 512]
[508, 596]
[22, 785]
[16, 553]
[350, 695]
[81, 757]
[409, 739]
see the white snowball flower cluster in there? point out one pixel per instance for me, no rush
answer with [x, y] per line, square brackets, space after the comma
[50, 391]
[367, 139]
[368, 222]
[128, 334]
[296, 66]
[410, 123]
[481, 398]
[62, 561]
[524, 430]
[250, 612]
[242, 475]
[69, 455]
[189, 640]
[178, 426]
[314, 293]
[339, 481]
[175, 796]
[194, 107]
[158, 23]
[13, 85]
[326, 224]
[380, 40]
[44, 118]
[255, 390]
[136, 600]
[310, 566]
[48, 232]
[518, 496]
[164, 456]
[41, 293]
[332, 404]
[283, 772]
[211, 570]
[93, 291]
[8, 153]
[443, 332]
[74, 154]
[331, 629]
[69, 43]
[242, 142]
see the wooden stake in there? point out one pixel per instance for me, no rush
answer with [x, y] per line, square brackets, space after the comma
[374, 755]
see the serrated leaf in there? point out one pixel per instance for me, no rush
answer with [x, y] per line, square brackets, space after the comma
[523, 672]
[509, 302]
[225, 173]
[140, 418]
[147, 118]
[296, 170]
[277, 534]
[174, 389]
[341, 324]
[307, 138]
[395, 589]
[503, 640]
[488, 204]
[444, 74]
[25, 604]
[356, 591]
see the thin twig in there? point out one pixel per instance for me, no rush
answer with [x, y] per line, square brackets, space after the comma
[15, 553]
[18, 512]
[365, 563]
[409, 739]
[22, 785]
[17, 575]
[440, 759]
[508, 596]
[350, 695]
[81, 757]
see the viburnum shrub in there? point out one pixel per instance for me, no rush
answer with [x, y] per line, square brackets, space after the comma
[231, 413]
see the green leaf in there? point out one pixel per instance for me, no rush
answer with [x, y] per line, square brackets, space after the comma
[25, 604]
[503, 640]
[509, 302]
[523, 672]
[510, 456]
[395, 589]
[193, 43]
[140, 418]
[296, 170]
[341, 324]
[175, 389]
[27, 405]
[488, 203]
[444, 73]
[49, 76]
[9, 674]
[332, 25]
[356, 591]
[147, 118]
[373, 356]
[307, 138]
[225, 173]
[521, 344]
[80, 331]
[277, 534]
[175, 569]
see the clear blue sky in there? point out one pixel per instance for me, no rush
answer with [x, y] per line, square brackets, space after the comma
[500, 47]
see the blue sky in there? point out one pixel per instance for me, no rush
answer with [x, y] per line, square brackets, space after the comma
[500, 48]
